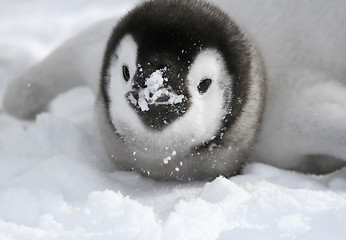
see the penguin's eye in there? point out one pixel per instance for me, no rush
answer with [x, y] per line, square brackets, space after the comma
[204, 85]
[126, 73]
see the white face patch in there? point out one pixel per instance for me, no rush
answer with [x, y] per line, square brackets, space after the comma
[122, 115]
[207, 109]
[199, 124]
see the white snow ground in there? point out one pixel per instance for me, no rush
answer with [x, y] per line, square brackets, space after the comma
[57, 183]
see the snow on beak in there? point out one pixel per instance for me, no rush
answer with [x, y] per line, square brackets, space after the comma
[156, 91]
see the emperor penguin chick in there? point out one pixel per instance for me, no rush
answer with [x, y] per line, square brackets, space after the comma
[182, 92]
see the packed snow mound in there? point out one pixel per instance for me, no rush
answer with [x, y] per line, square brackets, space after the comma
[56, 181]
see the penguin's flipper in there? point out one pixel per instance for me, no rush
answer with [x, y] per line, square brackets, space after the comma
[76, 62]
[320, 131]
[304, 129]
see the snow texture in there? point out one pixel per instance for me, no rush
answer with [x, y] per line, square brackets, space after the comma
[57, 183]
[156, 93]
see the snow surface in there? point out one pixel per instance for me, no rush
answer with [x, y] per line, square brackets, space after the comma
[57, 183]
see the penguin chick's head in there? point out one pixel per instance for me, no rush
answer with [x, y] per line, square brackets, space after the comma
[175, 73]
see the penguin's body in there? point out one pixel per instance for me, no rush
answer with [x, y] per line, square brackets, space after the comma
[180, 95]
[173, 76]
